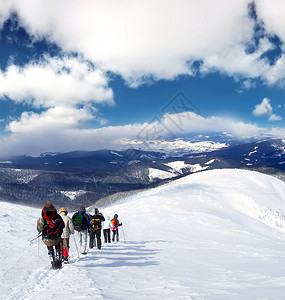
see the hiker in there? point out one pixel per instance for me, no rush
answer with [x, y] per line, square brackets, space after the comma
[95, 228]
[67, 231]
[81, 225]
[107, 230]
[114, 227]
[51, 225]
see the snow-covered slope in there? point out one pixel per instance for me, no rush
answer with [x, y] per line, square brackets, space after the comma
[212, 235]
[175, 168]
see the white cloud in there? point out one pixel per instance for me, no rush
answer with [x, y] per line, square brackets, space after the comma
[248, 84]
[5, 11]
[265, 109]
[274, 117]
[137, 39]
[272, 14]
[58, 86]
[276, 73]
[55, 81]
[34, 134]
[237, 63]
[191, 123]
[57, 118]
[157, 39]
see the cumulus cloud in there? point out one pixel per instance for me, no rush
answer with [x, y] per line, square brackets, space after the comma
[248, 84]
[55, 81]
[276, 73]
[137, 39]
[158, 39]
[238, 63]
[52, 119]
[265, 109]
[272, 14]
[65, 89]
[274, 117]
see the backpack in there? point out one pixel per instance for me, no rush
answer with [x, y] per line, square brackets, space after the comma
[52, 223]
[96, 223]
[52, 233]
[78, 222]
[113, 224]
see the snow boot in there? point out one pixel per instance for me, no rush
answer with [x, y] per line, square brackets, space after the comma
[58, 261]
[65, 260]
[58, 264]
[53, 265]
[52, 259]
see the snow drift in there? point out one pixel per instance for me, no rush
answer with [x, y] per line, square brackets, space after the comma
[212, 235]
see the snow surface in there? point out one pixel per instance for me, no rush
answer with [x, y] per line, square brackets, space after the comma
[216, 234]
[156, 173]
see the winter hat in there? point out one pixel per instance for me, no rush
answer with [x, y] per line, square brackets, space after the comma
[115, 216]
[82, 209]
[96, 211]
[63, 209]
[48, 211]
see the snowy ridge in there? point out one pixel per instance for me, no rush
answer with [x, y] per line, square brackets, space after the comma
[216, 234]
[176, 168]
[179, 146]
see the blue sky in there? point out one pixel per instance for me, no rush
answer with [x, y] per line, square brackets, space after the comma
[93, 75]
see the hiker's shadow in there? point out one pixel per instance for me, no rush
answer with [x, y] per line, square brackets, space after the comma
[126, 254]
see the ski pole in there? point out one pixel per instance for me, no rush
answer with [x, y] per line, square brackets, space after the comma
[38, 249]
[40, 234]
[123, 234]
[76, 246]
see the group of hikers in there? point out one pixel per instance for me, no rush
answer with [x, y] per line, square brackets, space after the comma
[56, 230]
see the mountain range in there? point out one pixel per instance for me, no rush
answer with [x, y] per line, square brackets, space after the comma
[88, 177]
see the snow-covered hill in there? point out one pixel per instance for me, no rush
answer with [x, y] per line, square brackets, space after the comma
[217, 234]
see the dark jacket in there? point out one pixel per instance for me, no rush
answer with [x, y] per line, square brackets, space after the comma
[97, 216]
[85, 222]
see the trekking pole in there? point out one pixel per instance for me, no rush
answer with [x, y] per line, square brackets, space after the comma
[38, 249]
[123, 234]
[40, 234]
[76, 246]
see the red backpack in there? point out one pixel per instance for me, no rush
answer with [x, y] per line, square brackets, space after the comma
[113, 224]
[52, 223]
